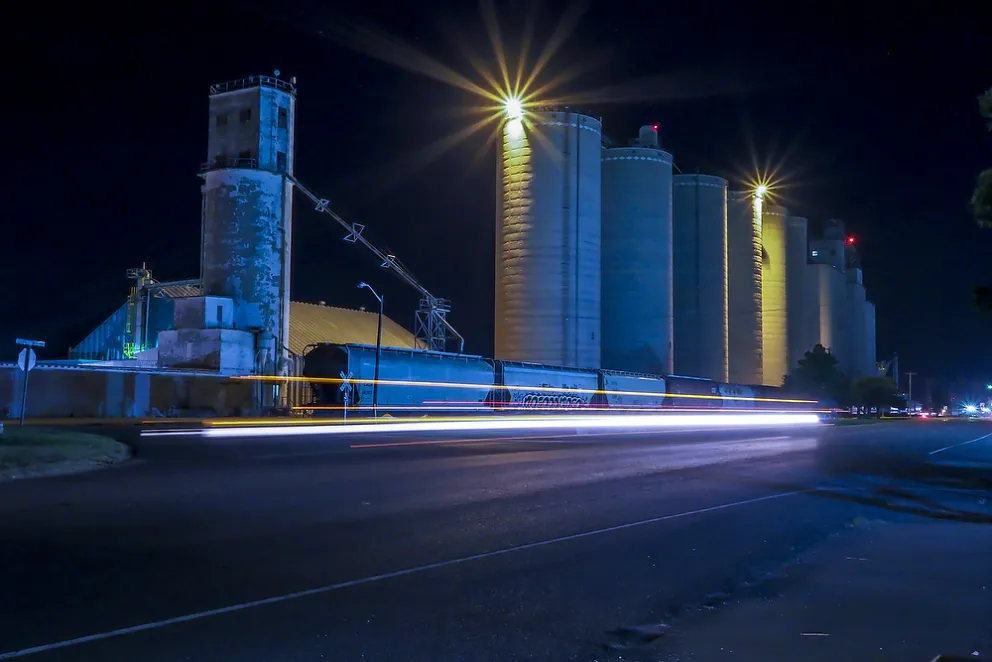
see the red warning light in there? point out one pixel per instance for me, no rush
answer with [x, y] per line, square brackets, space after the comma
[850, 241]
[655, 127]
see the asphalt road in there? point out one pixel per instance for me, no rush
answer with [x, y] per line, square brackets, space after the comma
[439, 546]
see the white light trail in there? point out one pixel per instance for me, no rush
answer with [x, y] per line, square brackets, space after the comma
[546, 423]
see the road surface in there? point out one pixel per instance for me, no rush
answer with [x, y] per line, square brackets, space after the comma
[441, 546]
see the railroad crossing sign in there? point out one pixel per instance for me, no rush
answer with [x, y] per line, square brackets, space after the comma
[346, 388]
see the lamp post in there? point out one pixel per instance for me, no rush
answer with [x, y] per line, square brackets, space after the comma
[378, 350]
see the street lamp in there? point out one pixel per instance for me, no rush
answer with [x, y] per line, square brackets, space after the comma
[378, 351]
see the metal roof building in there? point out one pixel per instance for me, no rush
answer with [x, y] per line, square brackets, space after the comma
[309, 324]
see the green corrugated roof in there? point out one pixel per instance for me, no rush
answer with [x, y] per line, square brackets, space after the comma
[311, 323]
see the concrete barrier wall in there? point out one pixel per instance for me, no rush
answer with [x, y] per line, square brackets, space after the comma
[90, 393]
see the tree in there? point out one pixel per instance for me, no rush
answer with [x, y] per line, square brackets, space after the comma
[981, 200]
[817, 376]
[878, 392]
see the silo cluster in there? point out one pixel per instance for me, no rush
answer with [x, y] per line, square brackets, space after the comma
[606, 260]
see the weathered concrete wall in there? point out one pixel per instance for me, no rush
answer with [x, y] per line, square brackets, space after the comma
[87, 393]
[228, 351]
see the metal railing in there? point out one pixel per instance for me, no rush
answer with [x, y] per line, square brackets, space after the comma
[229, 163]
[253, 81]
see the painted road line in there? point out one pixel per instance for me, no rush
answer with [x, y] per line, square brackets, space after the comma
[329, 588]
[963, 443]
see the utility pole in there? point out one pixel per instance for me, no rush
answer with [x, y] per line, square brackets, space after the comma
[909, 397]
[378, 349]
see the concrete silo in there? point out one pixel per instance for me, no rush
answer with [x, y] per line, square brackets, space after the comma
[796, 252]
[869, 339]
[744, 287]
[826, 290]
[637, 257]
[248, 206]
[548, 240]
[825, 296]
[774, 295]
[699, 275]
[854, 362]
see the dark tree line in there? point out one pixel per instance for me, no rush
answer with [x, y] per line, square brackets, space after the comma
[816, 376]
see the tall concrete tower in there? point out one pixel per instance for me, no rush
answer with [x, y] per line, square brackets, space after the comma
[248, 208]
[240, 323]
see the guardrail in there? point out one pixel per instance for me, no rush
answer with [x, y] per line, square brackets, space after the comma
[253, 81]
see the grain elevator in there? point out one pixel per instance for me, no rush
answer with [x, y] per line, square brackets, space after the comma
[240, 321]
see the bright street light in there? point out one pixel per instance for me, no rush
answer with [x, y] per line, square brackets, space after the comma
[513, 108]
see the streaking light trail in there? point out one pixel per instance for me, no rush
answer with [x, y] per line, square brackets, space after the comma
[544, 423]
[500, 387]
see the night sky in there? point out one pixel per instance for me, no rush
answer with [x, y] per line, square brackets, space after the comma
[868, 117]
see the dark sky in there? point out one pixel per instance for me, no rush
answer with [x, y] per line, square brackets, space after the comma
[868, 111]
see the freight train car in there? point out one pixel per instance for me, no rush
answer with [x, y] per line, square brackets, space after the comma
[536, 386]
[409, 379]
[631, 390]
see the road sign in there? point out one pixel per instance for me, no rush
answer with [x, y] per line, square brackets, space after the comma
[27, 359]
[29, 343]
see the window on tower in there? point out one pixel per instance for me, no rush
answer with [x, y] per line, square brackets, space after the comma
[283, 118]
[281, 161]
[245, 115]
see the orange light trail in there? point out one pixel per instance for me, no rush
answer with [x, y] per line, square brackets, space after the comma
[537, 389]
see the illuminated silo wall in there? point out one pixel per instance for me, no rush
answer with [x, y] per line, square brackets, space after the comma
[825, 295]
[637, 260]
[744, 302]
[548, 240]
[774, 296]
[854, 361]
[869, 339]
[699, 229]
[796, 252]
